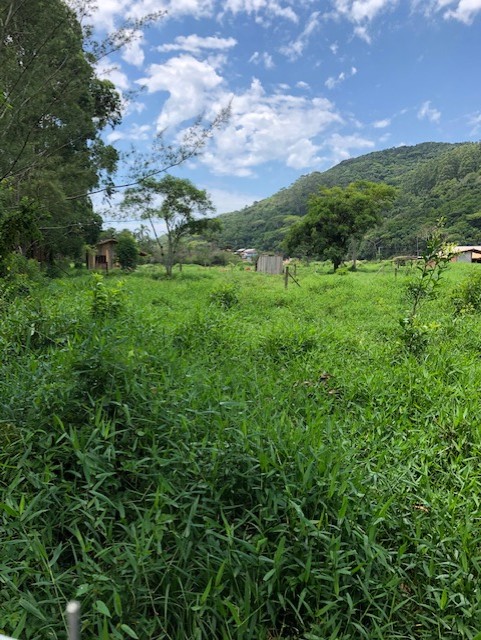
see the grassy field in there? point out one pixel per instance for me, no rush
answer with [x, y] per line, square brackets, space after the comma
[217, 457]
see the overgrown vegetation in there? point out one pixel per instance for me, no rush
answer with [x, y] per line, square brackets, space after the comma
[213, 456]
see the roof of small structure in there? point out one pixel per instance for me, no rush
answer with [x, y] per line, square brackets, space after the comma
[467, 247]
[113, 240]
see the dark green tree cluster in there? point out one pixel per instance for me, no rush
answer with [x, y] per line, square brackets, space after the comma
[127, 250]
[53, 109]
[338, 218]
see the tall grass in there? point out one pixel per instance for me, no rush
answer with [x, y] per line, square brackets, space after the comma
[218, 457]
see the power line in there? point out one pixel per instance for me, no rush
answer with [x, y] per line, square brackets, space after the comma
[87, 224]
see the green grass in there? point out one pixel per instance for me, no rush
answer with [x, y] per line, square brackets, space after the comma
[215, 456]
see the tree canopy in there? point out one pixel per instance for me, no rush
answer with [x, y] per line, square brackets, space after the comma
[338, 217]
[52, 112]
[175, 201]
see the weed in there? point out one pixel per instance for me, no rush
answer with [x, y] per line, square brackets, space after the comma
[107, 301]
[225, 296]
[467, 295]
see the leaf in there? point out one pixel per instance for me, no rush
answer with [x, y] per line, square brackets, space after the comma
[102, 608]
[31, 608]
[9, 510]
[129, 631]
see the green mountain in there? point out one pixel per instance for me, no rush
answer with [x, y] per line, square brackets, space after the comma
[434, 180]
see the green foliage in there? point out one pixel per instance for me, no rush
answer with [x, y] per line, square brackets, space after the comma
[225, 296]
[467, 295]
[180, 201]
[283, 470]
[52, 115]
[127, 251]
[424, 286]
[337, 217]
[107, 301]
[20, 276]
[429, 269]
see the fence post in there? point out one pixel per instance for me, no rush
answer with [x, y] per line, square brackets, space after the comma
[73, 620]
[286, 277]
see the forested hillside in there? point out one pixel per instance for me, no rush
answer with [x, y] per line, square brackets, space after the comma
[434, 180]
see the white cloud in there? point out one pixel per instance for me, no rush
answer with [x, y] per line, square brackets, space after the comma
[363, 34]
[113, 136]
[196, 44]
[341, 146]
[136, 132]
[302, 85]
[426, 112]
[262, 58]
[190, 84]
[226, 201]
[113, 73]
[106, 14]
[296, 47]
[263, 128]
[381, 124]
[332, 82]
[268, 8]
[173, 8]
[465, 11]
[132, 52]
[359, 11]
[461, 10]
[475, 123]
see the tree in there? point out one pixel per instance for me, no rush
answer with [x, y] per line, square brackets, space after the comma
[338, 218]
[127, 250]
[175, 201]
[52, 113]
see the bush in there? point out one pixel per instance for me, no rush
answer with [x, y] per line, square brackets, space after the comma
[225, 296]
[467, 296]
[107, 302]
[127, 251]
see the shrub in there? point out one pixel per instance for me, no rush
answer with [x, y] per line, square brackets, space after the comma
[225, 296]
[21, 276]
[127, 251]
[107, 302]
[467, 295]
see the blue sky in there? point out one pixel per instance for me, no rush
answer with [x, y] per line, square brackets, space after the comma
[310, 82]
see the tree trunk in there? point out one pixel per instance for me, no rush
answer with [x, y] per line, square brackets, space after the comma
[354, 254]
[169, 258]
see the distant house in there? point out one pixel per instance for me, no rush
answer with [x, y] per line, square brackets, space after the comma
[247, 254]
[102, 257]
[467, 253]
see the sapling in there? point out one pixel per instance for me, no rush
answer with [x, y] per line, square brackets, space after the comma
[424, 286]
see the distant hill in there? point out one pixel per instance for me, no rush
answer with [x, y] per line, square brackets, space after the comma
[434, 179]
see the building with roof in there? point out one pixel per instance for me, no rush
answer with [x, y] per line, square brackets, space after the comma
[103, 256]
[467, 253]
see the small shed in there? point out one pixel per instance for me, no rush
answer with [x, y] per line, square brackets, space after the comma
[467, 253]
[103, 256]
[270, 264]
